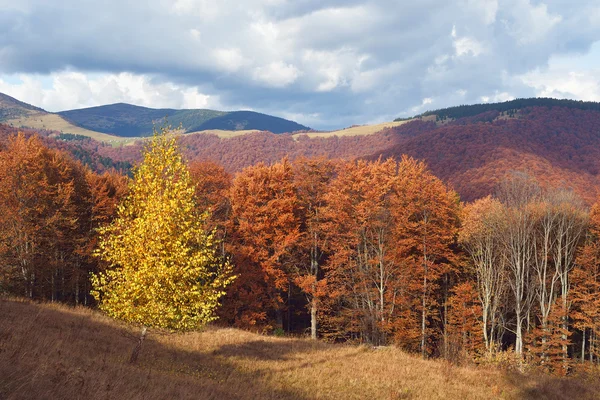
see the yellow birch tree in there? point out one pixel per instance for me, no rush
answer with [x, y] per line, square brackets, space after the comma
[165, 269]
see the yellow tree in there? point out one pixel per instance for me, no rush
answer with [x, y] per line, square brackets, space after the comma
[165, 269]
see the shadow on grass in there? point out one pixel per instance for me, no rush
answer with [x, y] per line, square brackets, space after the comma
[542, 386]
[55, 353]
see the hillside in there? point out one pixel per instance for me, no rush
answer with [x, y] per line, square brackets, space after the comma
[122, 123]
[53, 351]
[470, 147]
[13, 108]
[558, 145]
[509, 107]
[129, 121]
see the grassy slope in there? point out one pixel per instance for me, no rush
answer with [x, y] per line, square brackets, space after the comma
[55, 122]
[56, 352]
[361, 130]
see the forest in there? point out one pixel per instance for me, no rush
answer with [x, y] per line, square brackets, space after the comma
[377, 251]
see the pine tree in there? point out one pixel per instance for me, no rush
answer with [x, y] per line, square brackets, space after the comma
[165, 267]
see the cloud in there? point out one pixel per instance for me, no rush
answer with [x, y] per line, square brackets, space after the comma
[68, 90]
[331, 63]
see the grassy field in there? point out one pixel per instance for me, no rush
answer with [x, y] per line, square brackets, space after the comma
[361, 130]
[55, 122]
[49, 351]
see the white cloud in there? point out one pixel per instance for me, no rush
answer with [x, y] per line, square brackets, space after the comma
[333, 62]
[71, 90]
[276, 74]
[230, 60]
[531, 23]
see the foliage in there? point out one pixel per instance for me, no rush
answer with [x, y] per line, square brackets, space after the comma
[165, 270]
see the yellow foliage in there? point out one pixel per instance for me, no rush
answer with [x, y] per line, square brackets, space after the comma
[165, 268]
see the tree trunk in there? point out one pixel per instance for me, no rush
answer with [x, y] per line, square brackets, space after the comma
[583, 347]
[136, 350]
[313, 319]
[519, 339]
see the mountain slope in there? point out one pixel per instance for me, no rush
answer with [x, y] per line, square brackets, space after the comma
[13, 108]
[117, 122]
[127, 120]
[247, 120]
[56, 352]
[558, 145]
[509, 107]
[470, 147]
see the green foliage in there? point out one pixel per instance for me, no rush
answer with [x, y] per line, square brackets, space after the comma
[68, 137]
[510, 107]
[165, 267]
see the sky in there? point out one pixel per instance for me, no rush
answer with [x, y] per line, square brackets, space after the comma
[326, 64]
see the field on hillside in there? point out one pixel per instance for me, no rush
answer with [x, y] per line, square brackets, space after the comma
[56, 352]
[361, 130]
[55, 122]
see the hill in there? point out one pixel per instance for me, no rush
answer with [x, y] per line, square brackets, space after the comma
[559, 145]
[508, 107]
[54, 351]
[127, 120]
[18, 114]
[249, 120]
[470, 147]
[122, 123]
[13, 108]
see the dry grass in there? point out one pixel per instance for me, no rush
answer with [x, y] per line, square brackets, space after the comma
[55, 352]
[55, 122]
[361, 130]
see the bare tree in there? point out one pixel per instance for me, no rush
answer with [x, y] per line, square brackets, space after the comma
[481, 237]
[517, 192]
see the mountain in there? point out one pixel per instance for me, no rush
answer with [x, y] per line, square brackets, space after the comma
[127, 120]
[12, 108]
[508, 107]
[470, 147]
[116, 122]
[558, 143]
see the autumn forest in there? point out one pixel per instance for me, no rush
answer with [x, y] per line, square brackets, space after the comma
[348, 243]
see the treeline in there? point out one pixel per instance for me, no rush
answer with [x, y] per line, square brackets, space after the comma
[379, 252]
[510, 107]
[50, 207]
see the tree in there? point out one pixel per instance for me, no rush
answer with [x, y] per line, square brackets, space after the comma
[481, 237]
[265, 229]
[312, 178]
[38, 216]
[427, 219]
[362, 277]
[463, 319]
[517, 193]
[165, 270]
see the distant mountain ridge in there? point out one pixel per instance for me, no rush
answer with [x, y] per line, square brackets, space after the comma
[508, 107]
[128, 120]
[12, 108]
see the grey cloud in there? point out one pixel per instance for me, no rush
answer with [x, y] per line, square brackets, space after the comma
[357, 61]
